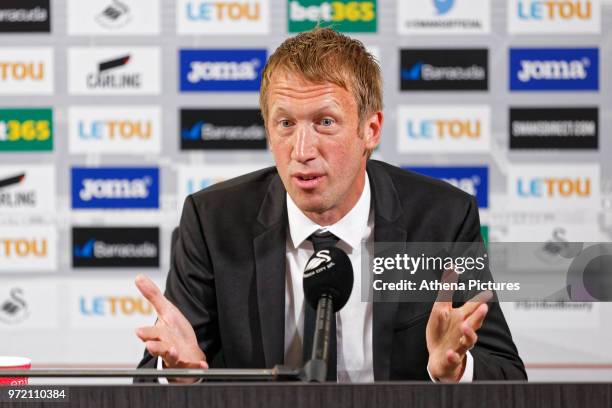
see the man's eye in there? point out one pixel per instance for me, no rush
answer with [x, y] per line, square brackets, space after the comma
[285, 123]
[327, 122]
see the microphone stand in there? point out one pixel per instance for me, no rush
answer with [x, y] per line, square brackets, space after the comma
[315, 370]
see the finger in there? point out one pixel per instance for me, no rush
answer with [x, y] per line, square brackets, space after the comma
[453, 357]
[152, 293]
[150, 333]
[474, 303]
[476, 319]
[445, 297]
[467, 340]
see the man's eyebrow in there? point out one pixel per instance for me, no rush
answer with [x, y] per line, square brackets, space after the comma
[332, 105]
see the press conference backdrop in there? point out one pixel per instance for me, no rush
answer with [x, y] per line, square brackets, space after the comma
[112, 111]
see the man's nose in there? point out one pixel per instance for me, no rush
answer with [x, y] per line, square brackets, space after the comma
[305, 147]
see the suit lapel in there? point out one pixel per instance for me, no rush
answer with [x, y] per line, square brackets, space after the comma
[269, 250]
[388, 213]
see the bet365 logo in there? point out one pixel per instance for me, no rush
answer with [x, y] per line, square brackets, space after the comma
[353, 16]
[26, 130]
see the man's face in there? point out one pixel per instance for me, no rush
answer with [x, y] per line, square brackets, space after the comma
[318, 147]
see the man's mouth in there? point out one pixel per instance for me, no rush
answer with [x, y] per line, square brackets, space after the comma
[308, 181]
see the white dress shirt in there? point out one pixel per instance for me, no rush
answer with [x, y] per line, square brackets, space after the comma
[354, 320]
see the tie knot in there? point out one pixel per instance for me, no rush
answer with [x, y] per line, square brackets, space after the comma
[323, 241]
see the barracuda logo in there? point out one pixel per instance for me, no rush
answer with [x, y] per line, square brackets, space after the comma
[100, 249]
[208, 131]
[428, 72]
[554, 69]
[115, 188]
[115, 247]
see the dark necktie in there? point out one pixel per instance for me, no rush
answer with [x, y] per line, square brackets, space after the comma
[319, 242]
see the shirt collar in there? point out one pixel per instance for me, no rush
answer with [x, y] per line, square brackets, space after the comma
[350, 229]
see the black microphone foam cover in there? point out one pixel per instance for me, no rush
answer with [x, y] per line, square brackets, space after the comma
[328, 271]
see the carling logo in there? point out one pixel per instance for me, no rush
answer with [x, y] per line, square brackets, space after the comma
[444, 69]
[554, 16]
[443, 129]
[27, 189]
[554, 128]
[26, 71]
[115, 187]
[222, 129]
[115, 247]
[553, 187]
[117, 129]
[114, 71]
[444, 17]
[221, 70]
[554, 69]
[472, 180]
[113, 17]
[355, 16]
[25, 130]
[213, 17]
[25, 16]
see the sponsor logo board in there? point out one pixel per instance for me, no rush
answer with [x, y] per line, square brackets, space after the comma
[213, 129]
[444, 129]
[117, 129]
[115, 187]
[26, 130]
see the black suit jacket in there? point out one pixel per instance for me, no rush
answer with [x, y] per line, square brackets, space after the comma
[227, 273]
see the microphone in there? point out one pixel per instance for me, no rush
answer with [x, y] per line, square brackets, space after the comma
[328, 282]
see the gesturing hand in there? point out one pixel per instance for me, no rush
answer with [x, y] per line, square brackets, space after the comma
[451, 332]
[172, 338]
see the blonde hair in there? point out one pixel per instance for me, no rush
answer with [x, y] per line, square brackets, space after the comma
[324, 55]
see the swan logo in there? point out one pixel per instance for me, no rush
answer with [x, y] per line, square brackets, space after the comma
[14, 309]
[320, 258]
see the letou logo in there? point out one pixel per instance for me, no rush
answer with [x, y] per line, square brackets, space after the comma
[444, 17]
[214, 17]
[554, 69]
[351, 16]
[114, 71]
[27, 189]
[28, 304]
[192, 179]
[108, 304]
[23, 130]
[26, 71]
[555, 187]
[221, 70]
[28, 249]
[444, 129]
[115, 187]
[117, 129]
[444, 69]
[472, 180]
[115, 247]
[554, 16]
[25, 16]
[113, 17]
[211, 129]
[554, 128]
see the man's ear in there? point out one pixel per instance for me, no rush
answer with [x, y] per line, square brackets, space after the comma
[372, 130]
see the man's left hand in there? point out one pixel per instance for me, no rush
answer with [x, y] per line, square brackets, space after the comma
[451, 332]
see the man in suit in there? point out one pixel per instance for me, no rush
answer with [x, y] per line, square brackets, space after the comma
[233, 294]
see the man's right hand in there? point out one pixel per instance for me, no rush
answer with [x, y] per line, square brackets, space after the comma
[172, 338]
